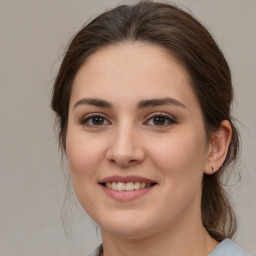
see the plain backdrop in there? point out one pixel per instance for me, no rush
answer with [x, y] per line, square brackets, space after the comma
[33, 36]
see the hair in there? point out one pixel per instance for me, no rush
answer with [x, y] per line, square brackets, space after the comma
[178, 32]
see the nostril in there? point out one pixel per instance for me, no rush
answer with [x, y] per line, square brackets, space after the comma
[122, 160]
[112, 161]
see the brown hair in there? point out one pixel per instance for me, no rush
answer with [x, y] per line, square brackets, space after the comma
[182, 35]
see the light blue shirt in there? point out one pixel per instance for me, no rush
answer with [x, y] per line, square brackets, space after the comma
[226, 248]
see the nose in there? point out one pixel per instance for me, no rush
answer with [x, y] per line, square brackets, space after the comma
[126, 148]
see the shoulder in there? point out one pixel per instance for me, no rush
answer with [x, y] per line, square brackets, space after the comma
[97, 251]
[228, 248]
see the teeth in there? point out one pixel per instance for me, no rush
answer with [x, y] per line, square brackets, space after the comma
[129, 186]
[113, 185]
[142, 185]
[120, 186]
[137, 185]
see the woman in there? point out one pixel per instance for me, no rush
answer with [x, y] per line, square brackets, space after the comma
[142, 100]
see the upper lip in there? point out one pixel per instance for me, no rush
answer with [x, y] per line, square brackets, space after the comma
[126, 179]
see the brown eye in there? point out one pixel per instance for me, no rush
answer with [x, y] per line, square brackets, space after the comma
[159, 120]
[94, 120]
[97, 120]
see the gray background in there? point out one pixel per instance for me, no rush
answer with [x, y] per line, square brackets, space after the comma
[32, 180]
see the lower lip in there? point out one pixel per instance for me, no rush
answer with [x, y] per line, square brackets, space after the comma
[126, 195]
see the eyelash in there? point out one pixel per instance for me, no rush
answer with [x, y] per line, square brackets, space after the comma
[166, 118]
[85, 120]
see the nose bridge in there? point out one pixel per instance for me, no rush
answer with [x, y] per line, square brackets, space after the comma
[125, 148]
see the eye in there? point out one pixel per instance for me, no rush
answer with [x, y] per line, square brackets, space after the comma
[94, 120]
[160, 120]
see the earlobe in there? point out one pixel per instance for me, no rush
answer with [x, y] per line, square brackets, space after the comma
[218, 147]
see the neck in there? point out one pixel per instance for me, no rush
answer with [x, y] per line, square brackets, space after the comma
[179, 242]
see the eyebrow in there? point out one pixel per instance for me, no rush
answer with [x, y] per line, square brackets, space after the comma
[160, 102]
[141, 104]
[93, 102]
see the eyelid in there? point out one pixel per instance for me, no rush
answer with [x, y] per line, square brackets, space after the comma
[169, 117]
[164, 114]
[87, 117]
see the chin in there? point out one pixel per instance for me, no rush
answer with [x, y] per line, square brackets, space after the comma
[129, 227]
[127, 232]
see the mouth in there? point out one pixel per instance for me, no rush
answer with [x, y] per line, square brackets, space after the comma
[129, 186]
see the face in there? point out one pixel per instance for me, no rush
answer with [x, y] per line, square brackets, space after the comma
[136, 143]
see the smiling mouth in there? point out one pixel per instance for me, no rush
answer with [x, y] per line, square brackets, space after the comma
[129, 186]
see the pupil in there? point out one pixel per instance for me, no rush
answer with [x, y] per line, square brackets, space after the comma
[159, 120]
[97, 120]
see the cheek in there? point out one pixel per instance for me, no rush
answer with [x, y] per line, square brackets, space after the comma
[83, 153]
[180, 163]
[83, 158]
[181, 156]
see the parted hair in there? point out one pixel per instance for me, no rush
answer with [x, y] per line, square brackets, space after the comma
[177, 31]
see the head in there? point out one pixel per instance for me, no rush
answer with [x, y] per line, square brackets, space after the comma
[177, 33]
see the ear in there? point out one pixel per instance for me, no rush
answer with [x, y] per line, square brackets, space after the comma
[218, 147]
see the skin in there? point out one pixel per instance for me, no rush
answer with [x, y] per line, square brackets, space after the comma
[127, 140]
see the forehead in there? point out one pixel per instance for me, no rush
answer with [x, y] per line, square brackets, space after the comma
[137, 69]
